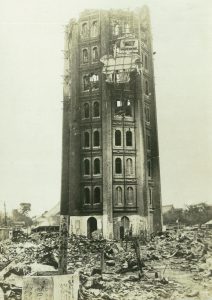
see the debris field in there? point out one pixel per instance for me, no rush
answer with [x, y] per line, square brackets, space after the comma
[175, 265]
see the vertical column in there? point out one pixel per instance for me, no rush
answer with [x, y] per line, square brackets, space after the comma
[106, 137]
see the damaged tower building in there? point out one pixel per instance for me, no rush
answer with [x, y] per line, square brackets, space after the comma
[110, 160]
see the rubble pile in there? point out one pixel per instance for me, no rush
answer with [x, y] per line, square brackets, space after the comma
[167, 266]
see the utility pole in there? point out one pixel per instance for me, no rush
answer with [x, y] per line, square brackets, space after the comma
[5, 214]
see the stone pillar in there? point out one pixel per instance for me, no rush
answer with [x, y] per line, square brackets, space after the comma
[63, 244]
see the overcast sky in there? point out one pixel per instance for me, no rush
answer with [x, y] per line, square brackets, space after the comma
[31, 69]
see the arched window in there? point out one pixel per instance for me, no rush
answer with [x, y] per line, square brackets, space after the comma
[85, 55]
[86, 167]
[126, 28]
[87, 196]
[118, 106]
[149, 168]
[150, 196]
[96, 139]
[129, 166]
[130, 195]
[94, 30]
[129, 138]
[96, 166]
[146, 62]
[118, 138]
[95, 54]
[96, 112]
[128, 108]
[86, 139]
[86, 111]
[84, 29]
[118, 166]
[118, 196]
[116, 29]
[148, 141]
[146, 88]
[147, 114]
[86, 82]
[97, 195]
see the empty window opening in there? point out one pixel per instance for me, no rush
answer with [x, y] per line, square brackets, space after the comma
[118, 195]
[148, 142]
[95, 54]
[146, 88]
[149, 168]
[116, 29]
[128, 108]
[84, 29]
[129, 138]
[145, 62]
[94, 80]
[91, 226]
[85, 55]
[118, 106]
[118, 165]
[126, 28]
[87, 196]
[96, 112]
[130, 195]
[96, 139]
[86, 111]
[96, 166]
[86, 82]
[94, 29]
[86, 139]
[117, 138]
[150, 196]
[86, 167]
[147, 114]
[97, 195]
[129, 166]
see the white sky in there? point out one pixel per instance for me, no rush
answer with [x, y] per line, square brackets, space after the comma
[31, 62]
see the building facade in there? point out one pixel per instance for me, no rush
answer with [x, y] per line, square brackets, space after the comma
[110, 167]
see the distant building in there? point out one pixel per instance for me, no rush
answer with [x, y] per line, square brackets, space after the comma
[48, 221]
[167, 208]
[110, 171]
[208, 224]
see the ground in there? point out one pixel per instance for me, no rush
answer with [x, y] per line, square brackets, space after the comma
[175, 265]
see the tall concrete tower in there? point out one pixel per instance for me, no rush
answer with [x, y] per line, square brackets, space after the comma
[110, 167]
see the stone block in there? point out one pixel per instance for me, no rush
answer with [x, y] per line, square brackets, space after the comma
[56, 287]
